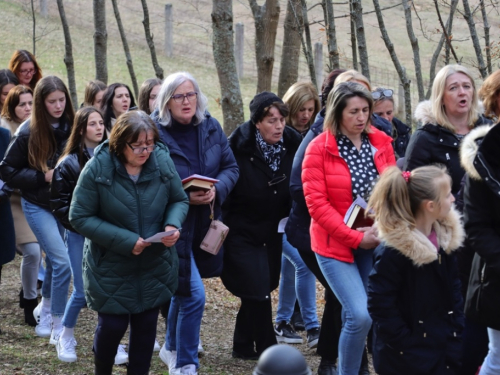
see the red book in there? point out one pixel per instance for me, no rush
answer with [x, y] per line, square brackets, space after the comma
[355, 215]
[198, 182]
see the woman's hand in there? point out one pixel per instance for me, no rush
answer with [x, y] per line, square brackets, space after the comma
[140, 245]
[370, 239]
[198, 197]
[48, 175]
[170, 241]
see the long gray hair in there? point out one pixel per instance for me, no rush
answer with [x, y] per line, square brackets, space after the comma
[170, 84]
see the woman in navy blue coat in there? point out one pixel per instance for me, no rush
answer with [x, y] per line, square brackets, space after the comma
[197, 145]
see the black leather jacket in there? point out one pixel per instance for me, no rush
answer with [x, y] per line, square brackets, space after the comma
[16, 171]
[64, 180]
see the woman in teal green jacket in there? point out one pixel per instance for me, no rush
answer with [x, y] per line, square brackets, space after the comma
[128, 192]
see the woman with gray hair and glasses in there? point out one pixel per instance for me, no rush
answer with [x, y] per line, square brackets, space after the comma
[383, 106]
[197, 145]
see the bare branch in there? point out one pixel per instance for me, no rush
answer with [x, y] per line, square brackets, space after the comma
[448, 40]
[371, 11]
[475, 39]
[357, 11]
[486, 36]
[415, 48]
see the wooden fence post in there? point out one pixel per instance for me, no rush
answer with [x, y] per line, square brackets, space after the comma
[239, 47]
[44, 11]
[169, 40]
[318, 62]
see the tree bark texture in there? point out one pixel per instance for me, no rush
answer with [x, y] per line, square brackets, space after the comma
[486, 36]
[399, 68]
[309, 49]
[149, 40]
[475, 39]
[223, 47]
[331, 36]
[437, 52]
[416, 50]
[128, 56]
[68, 56]
[100, 41]
[354, 43]
[34, 26]
[266, 19]
[357, 11]
[446, 34]
[290, 53]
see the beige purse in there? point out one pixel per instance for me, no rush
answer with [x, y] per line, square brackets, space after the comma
[216, 234]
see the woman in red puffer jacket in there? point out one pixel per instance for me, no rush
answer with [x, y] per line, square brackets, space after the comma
[340, 164]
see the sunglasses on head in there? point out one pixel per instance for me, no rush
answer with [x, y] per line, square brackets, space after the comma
[387, 93]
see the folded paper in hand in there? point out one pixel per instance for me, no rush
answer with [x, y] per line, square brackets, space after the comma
[198, 182]
[158, 236]
[355, 215]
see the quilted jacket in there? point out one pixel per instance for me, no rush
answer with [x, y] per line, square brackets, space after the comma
[216, 161]
[112, 212]
[327, 189]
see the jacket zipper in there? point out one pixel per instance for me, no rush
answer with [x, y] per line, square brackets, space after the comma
[139, 212]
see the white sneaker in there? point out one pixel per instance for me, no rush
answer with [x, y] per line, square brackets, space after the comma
[201, 351]
[169, 358]
[66, 349]
[157, 347]
[121, 356]
[188, 370]
[54, 336]
[44, 322]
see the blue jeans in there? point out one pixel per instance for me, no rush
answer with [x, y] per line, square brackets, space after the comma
[49, 234]
[296, 281]
[348, 281]
[491, 364]
[184, 321]
[77, 299]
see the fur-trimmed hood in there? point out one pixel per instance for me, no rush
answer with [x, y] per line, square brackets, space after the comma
[423, 113]
[469, 149]
[414, 245]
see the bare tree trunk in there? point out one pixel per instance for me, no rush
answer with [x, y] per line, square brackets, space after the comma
[223, 47]
[449, 30]
[149, 39]
[309, 49]
[333, 52]
[475, 39]
[290, 53]
[416, 50]
[354, 43]
[486, 36]
[437, 52]
[68, 57]
[399, 68]
[100, 41]
[128, 56]
[34, 26]
[357, 11]
[266, 19]
[445, 32]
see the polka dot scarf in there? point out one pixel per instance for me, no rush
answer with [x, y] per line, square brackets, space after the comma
[361, 165]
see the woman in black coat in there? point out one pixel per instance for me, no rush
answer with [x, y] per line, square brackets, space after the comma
[264, 149]
[482, 225]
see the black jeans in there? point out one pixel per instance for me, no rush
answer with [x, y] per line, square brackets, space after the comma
[254, 331]
[331, 325]
[110, 330]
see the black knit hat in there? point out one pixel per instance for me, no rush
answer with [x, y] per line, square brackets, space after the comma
[260, 102]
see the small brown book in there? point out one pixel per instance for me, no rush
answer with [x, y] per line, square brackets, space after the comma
[198, 182]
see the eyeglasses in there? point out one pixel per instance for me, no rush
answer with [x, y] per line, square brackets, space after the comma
[26, 72]
[376, 95]
[277, 180]
[140, 150]
[179, 98]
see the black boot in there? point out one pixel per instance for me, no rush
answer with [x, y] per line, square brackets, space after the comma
[327, 368]
[29, 306]
[363, 370]
[21, 298]
[102, 368]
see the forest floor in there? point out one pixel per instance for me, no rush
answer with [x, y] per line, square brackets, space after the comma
[23, 353]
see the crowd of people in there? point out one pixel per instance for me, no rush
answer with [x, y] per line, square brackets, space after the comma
[416, 284]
